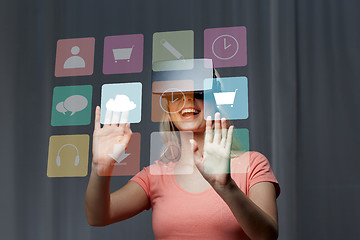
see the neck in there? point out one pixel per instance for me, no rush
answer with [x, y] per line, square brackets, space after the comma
[186, 151]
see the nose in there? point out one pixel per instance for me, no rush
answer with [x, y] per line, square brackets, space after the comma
[188, 97]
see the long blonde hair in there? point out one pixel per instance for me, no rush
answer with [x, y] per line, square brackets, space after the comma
[170, 137]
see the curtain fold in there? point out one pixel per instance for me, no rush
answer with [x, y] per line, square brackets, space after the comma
[284, 111]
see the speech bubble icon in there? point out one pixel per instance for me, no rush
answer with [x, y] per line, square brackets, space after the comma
[75, 103]
[60, 108]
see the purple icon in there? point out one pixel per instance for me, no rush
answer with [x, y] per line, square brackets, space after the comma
[226, 46]
[123, 54]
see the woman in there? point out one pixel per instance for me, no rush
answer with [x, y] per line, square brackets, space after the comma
[207, 203]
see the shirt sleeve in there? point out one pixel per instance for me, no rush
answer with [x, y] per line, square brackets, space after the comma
[142, 178]
[260, 171]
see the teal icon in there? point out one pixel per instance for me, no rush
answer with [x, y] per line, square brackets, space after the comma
[240, 141]
[230, 99]
[71, 105]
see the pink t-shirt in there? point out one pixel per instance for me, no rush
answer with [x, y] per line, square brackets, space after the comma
[178, 214]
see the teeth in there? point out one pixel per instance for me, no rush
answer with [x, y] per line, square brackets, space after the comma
[189, 110]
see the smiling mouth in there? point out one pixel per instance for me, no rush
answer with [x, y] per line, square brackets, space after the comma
[189, 113]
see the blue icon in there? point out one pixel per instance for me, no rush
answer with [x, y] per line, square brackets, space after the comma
[231, 100]
[121, 102]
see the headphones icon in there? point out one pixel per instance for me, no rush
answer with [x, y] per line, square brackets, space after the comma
[77, 158]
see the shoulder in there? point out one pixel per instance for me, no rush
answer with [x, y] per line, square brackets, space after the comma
[256, 167]
[259, 164]
[247, 161]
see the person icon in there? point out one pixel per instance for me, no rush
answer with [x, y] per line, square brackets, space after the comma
[74, 61]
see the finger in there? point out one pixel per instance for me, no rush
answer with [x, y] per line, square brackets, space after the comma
[97, 125]
[223, 131]
[127, 134]
[115, 119]
[107, 120]
[121, 129]
[217, 135]
[127, 129]
[124, 117]
[123, 121]
[108, 115]
[229, 138]
[209, 131]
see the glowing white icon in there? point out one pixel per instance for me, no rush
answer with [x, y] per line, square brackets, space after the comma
[122, 53]
[120, 106]
[119, 154]
[171, 49]
[74, 61]
[225, 98]
[74, 103]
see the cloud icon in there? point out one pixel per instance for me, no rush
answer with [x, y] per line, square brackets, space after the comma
[74, 103]
[121, 103]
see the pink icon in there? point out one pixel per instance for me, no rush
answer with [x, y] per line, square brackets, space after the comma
[74, 57]
[226, 46]
[129, 162]
[123, 54]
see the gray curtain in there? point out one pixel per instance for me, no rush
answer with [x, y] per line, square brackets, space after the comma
[304, 105]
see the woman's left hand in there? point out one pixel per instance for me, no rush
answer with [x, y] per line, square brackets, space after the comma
[214, 164]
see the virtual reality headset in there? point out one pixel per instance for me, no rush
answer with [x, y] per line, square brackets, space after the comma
[190, 79]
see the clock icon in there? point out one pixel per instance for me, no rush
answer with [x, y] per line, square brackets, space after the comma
[170, 96]
[173, 153]
[225, 47]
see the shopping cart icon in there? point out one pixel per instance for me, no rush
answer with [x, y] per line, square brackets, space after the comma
[225, 98]
[122, 53]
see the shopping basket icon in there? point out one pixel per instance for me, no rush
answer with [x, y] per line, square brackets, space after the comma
[122, 53]
[225, 98]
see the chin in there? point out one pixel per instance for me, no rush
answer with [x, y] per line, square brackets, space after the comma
[193, 126]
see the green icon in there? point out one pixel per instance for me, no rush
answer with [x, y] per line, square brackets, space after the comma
[71, 105]
[173, 50]
[240, 141]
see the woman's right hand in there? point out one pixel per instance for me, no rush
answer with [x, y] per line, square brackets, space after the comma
[109, 143]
